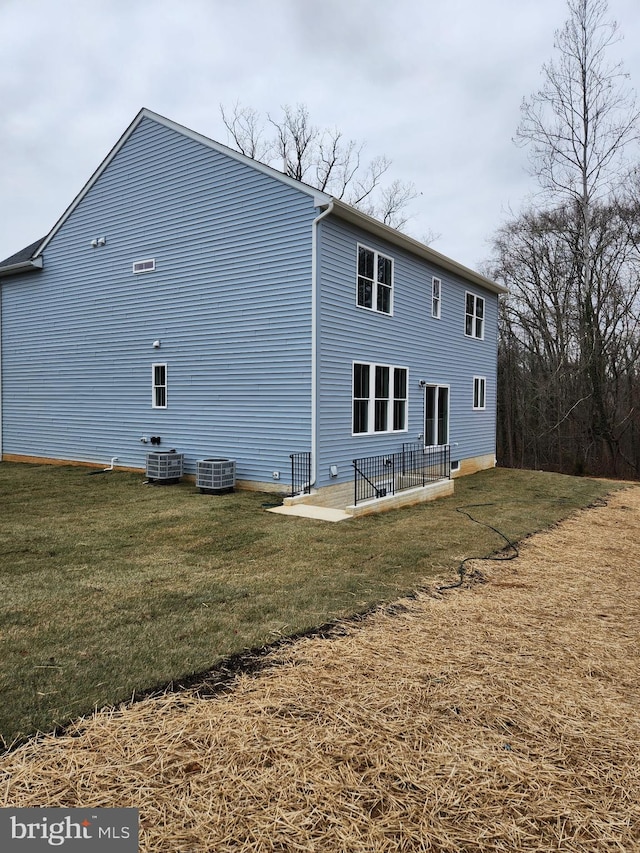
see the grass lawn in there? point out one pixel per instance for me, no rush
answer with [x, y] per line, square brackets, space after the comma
[110, 587]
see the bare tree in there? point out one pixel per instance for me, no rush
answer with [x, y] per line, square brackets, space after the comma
[574, 310]
[245, 129]
[578, 124]
[555, 409]
[322, 158]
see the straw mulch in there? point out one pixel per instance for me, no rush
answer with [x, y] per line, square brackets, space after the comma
[502, 716]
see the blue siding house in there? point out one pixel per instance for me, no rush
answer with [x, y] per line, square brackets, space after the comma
[196, 295]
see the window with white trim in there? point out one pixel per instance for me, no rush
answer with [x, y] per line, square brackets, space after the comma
[436, 415]
[474, 316]
[159, 386]
[375, 281]
[144, 266]
[379, 398]
[436, 286]
[479, 392]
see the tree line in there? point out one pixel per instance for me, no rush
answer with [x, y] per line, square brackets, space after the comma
[569, 331]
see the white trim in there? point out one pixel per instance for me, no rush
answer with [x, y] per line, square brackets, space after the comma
[437, 315]
[155, 387]
[374, 296]
[371, 399]
[476, 298]
[23, 266]
[397, 238]
[145, 268]
[320, 198]
[482, 393]
[436, 385]
[92, 180]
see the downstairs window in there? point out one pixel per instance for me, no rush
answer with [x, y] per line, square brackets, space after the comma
[379, 398]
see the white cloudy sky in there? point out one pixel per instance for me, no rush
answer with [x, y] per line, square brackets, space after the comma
[436, 86]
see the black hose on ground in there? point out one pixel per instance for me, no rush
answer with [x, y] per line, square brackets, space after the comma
[461, 567]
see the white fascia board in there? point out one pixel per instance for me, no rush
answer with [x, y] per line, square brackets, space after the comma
[90, 182]
[385, 232]
[23, 266]
[320, 199]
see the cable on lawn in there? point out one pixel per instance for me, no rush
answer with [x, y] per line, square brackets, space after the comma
[461, 567]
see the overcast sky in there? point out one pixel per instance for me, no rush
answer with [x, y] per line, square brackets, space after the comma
[436, 86]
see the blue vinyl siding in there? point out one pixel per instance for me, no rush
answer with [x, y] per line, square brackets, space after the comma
[434, 350]
[230, 301]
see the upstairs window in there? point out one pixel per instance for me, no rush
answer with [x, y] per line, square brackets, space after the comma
[375, 281]
[436, 285]
[474, 316]
[159, 386]
[379, 398]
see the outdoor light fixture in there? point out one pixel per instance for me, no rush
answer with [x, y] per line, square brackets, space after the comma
[156, 344]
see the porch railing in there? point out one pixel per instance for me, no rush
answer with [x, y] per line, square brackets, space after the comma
[300, 473]
[414, 465]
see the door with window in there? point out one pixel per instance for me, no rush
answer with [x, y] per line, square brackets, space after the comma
[436, 415]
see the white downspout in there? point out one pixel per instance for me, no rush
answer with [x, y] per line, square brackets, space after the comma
[314, 341]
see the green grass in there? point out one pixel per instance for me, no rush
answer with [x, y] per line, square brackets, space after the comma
[111, 587]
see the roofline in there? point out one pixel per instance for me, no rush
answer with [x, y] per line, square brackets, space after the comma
[356, 217]
[320, 200]
[24, 266]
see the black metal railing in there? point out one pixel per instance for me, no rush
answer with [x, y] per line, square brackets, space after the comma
[300, 473]
[414, 465]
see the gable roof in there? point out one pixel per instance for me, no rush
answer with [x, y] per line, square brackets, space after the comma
[374, 226]
[320, 200]
[22, 261]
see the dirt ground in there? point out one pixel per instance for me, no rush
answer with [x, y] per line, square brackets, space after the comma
[501, 716]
